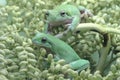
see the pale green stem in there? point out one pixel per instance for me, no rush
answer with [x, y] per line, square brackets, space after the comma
[96, 27]
[83, 27]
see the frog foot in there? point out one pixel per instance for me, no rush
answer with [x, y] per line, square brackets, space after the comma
[86, 14]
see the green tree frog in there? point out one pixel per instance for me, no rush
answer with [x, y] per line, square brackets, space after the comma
[65, 14]
[61, 50]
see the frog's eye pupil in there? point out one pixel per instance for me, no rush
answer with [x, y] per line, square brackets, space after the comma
[43, 40]
[62, 13]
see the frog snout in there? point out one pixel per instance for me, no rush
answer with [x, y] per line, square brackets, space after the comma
[35, 42]
[51, 16]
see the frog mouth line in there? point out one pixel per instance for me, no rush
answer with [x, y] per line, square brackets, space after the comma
[64, 24]
[57, 23]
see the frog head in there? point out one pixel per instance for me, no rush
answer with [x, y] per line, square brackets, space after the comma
[62, 14]
[42, 40]
[57, 17]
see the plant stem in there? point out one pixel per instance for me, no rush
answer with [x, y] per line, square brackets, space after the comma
[96, 27]
[104, 53]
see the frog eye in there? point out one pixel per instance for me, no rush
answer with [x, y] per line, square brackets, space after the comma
[43, 40]
[47, 13]
[62, 13]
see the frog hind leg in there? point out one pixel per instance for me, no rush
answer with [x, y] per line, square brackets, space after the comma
[84, 12]
[80, 64]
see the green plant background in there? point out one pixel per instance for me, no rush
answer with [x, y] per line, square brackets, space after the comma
[21, 60]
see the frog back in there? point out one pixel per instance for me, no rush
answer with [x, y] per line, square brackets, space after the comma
[63, 50]
[71, 10]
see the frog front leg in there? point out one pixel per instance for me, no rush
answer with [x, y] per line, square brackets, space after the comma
[74, 23]
[71, 26]
[80, 64]
[46, 28]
